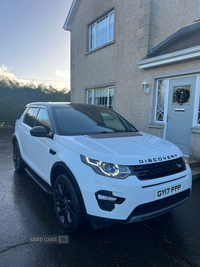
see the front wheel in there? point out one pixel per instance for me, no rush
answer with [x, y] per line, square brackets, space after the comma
[67, 204]
[18, 161]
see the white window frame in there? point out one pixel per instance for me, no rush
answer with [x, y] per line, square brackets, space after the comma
[95, 24]
[196, 101]
[198, 10]
[93, 89]
[165, 103]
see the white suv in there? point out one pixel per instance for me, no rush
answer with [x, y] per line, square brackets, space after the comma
[97, 165]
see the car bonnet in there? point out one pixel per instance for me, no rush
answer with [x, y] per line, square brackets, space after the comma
[130, 150]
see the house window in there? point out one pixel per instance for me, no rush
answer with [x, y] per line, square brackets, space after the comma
[198, 10]
[102, 31]
[101, 96]
[160, 105]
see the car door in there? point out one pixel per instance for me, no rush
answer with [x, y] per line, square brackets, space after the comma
[42, 146]
[24, 137]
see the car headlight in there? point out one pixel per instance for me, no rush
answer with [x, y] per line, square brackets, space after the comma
[184, 159]
[107, 169]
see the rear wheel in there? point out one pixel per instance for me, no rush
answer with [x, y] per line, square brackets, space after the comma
[67, 204]
[17, 159]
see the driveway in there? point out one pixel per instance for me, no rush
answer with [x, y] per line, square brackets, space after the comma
[27, 212]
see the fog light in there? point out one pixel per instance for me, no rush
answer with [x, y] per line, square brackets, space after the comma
[107, 201]
[109, 198]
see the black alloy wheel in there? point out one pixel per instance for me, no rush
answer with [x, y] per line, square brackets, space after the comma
[17, 159]
[67, 204]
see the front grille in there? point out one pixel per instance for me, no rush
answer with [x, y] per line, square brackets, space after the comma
[159, 169]
[160, 204]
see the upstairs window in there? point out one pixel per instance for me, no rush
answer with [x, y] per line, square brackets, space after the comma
[102, 31]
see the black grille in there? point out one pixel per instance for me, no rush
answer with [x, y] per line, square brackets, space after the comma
[159, 169]
[160, 204]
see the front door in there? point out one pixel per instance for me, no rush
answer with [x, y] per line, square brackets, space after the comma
[180, 112]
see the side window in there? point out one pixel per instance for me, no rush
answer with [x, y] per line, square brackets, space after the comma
[30, 117]
[43, 120]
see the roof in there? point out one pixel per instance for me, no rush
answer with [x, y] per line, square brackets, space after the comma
[48, 104]
[70, 17]
[65, 104]
[181, 46]
[184, 38]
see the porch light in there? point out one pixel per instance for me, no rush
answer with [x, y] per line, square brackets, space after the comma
[146, 89]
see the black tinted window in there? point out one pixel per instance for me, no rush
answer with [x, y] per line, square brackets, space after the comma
[86, 119]
[43, 120]
[30, 116]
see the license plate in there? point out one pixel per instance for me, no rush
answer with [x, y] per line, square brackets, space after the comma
[168, 191]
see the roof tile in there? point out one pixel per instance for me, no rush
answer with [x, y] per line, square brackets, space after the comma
[184, 38]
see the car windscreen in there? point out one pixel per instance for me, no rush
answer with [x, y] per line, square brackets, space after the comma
[86, 119]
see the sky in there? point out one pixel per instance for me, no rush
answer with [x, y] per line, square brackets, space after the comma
[34, 47]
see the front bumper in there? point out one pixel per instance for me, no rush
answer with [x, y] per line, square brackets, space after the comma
[138, 196]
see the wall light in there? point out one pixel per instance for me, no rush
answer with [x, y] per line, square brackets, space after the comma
[146, 89]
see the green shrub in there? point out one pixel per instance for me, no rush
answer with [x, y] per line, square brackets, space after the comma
[14, 97]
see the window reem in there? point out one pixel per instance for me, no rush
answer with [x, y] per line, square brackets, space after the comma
[102, 31]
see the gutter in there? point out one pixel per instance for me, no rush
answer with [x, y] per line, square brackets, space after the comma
[174, 57]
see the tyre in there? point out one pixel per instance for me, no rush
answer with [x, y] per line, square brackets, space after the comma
[67, 204]
[17, 159]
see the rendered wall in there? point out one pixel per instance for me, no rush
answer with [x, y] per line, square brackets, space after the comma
[116, 63]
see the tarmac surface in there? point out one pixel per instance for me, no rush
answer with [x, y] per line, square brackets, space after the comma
[26, 212]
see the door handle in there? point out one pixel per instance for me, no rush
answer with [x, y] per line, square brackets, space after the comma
[168, 117]
[51, 151]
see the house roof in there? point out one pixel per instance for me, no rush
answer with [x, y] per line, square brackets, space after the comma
[70, 17]
[180, 46]
[184, 38]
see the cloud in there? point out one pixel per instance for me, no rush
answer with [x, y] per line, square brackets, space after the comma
[63, 74]
[5, 72]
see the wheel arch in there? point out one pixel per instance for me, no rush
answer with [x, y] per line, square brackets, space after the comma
[61, 168]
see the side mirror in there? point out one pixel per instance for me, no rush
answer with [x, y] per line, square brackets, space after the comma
[40, 131]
